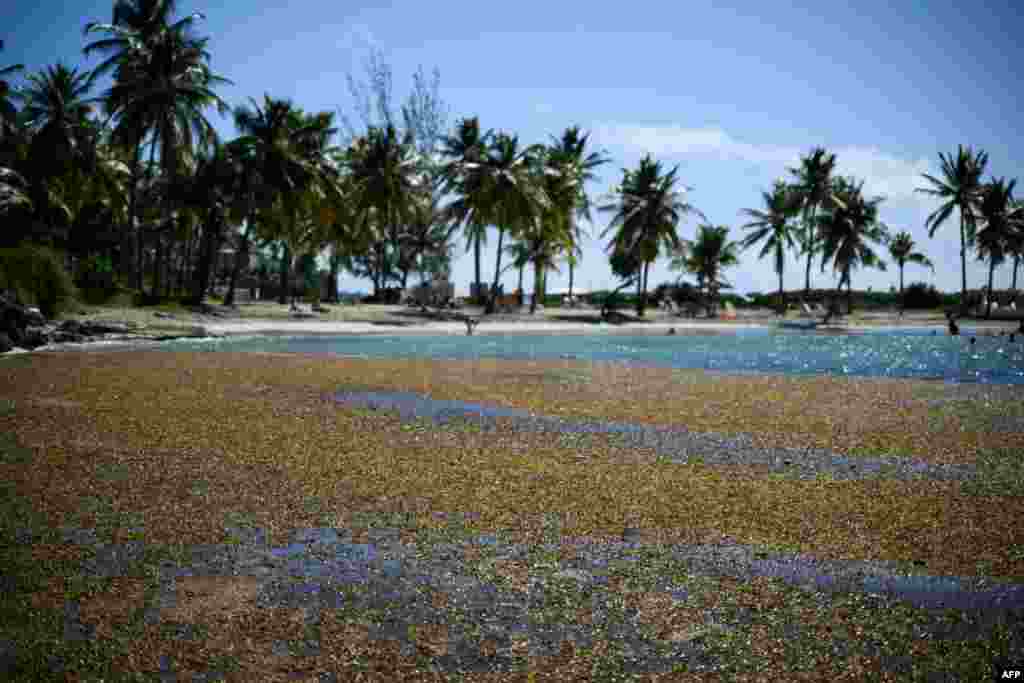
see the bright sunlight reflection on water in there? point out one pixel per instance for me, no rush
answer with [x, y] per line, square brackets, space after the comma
[918, 354]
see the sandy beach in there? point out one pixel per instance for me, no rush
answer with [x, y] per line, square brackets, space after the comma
[276, 319]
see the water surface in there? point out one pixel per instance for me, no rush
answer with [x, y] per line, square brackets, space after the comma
[900, 353]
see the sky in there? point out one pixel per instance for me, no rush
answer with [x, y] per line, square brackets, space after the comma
[732, 93]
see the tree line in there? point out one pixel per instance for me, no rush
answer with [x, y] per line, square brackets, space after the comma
[134, 182]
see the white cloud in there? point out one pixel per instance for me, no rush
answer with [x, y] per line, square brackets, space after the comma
[883, 173]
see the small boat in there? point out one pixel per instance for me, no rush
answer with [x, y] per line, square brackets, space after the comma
[800, 324]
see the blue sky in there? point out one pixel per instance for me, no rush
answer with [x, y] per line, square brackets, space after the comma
[732, 93]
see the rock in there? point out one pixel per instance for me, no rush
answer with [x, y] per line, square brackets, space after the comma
[5, 343]
[34, 317]
[96, 328]
[65, 337]
[34, 337]
[72, 326]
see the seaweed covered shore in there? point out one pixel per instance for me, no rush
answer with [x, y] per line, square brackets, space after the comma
[258, 517]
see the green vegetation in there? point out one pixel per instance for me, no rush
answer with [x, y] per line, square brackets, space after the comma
[286, 463]
[36, 275]
[153, 198]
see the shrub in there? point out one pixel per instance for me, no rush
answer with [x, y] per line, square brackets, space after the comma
[95, 280]
[919, 295]
[37, 276]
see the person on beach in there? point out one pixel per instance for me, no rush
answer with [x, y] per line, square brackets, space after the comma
[954, 329]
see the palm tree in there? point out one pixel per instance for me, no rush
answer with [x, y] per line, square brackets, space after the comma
[707, 256]
[901, 248]
[8, 112]
[61, 152]
[385, 173]
[813, 183]
[772, 226]
[570, 160]
[130, 36]
[292, 170]
[1015, 242]
[958, 188]
[54, 111]
[647, 210]
[996, 209]
[463, 175]
[519, 254]
[215, 192]
[848, 228]
[512, 196]
[428, 232]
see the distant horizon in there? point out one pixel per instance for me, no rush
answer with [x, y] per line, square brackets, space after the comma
[733, 95]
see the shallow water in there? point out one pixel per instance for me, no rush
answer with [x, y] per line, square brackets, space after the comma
[905, 353]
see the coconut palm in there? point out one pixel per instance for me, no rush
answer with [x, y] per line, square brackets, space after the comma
[165, 88]
[901, 248]
[647, 210]
[772, 226]
[135, 27]
[996, 210]
[512, 195]
[544, 240]
[707, 256]
[463, 175]
[519, 255]
[386, 175]
[1015, 242]
[281, 147]
[428, 232]
[570, 159]
[813, 181]
[848, 228]
[55, 109]
[958, 189]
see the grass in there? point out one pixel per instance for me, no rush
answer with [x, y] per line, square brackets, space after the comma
[177, 449]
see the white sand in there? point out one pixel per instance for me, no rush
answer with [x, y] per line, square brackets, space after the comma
[497, 327]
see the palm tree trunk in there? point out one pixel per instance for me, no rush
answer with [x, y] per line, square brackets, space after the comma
[157, 261]
[538, 285]
[476, 257]
[963, 265]
[282, 297]
[131, 272]
[1016, 264]
[782, 297]
[991, 273]
[571, 273]
[520, 288]
[241, 257]
[903, 303]
[332, 292]
[640, 291]
[810, 250]
[849, 293]
[207, 248]
[492, 300]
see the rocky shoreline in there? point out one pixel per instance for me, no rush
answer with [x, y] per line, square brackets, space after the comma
[25, 328]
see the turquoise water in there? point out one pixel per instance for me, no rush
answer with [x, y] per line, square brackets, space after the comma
[916, 353]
